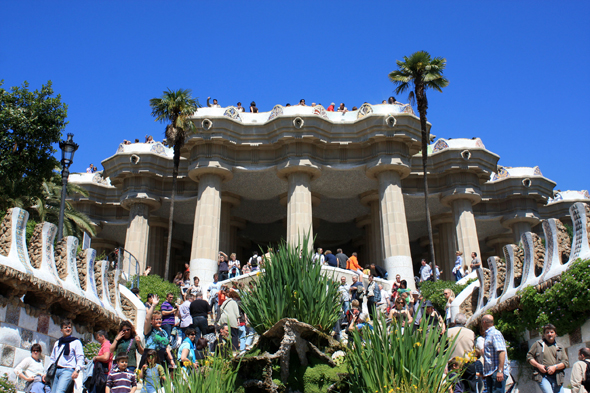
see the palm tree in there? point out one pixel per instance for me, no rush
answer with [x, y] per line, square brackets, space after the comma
[175, 107]
[423, 72]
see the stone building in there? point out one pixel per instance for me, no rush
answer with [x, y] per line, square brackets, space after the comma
[354, 179]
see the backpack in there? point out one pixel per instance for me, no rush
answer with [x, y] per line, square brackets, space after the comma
[586, 381]
[377, 293]
[360, 293]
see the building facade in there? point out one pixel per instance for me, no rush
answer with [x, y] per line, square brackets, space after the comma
[354, 180]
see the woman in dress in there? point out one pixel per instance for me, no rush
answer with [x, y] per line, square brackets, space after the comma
[31, 370]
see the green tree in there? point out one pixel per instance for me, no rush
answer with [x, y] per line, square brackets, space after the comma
[46, 208]
[423, 73]
[30, 123]
[175, 107]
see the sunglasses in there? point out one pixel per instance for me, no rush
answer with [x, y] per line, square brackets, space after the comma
[36, 351]
[192, 334]
[126, 330]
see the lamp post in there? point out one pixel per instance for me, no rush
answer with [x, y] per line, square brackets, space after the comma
[68, 148]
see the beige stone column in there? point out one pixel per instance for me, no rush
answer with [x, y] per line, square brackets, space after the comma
[138, 231]
[465, 227]
[299, 208]
[205, 245]
[395, 239]
[447, 244]
[371, 199]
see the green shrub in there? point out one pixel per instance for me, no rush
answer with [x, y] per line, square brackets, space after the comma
[292, 286]
[386, 360]
[154, 284]
[91, 350]
[433, 291]
[6, 386]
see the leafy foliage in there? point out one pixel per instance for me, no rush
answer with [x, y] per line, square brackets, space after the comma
[566, 305]
[154, 284]
[6, 386]
[91, 349]
[292, 287]
[386, 360]
[433, 291]
[30, 123]
[215, 375]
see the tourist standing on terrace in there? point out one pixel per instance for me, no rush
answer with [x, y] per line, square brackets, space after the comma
[331, 107]
[31, 370]
[579, 384]
[425, 271]
[495, 359]
[223, 266]
[392, 101]
[319, 255]
[331, 259]
[372, 292]
[253, 108]
[344, 291]
[68, 355]
[458, 269]
[184, 312]
[342, 108]
[465, 337]
[353, 264]
[450, 296]
[342, 258]
[213, 292]
[199, 311]
[168, 311]
[475, 261]
[126, 343]
[549, 360]
[378, 271]
[155, 337]
[302, 102]
[240, 108]
[215, 104]
[234, 266]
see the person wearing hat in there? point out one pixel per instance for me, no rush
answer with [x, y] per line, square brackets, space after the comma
[331, 107]
[432, 317]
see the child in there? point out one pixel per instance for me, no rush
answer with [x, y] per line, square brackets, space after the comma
[152, 373]
[455, 368]
[121, 380]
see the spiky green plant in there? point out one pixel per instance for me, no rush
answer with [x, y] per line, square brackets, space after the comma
[385, 359]
[292, 286]
[215, 374]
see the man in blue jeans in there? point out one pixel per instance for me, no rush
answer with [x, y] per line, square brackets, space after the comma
[71, 360]
[495, 358]
[549, 360]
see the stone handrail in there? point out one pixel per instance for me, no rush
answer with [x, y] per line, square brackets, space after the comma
[489, 301]
[50, 278]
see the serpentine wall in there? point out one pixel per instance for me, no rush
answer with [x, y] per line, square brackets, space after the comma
[42, 284]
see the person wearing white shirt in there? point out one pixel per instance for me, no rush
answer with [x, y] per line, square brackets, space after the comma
[31, 370]
[319, 255]
[383, 304]
[425, 271]
[71, 360]
[215, 104]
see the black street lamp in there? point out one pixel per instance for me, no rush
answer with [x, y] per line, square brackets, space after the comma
[68, 148]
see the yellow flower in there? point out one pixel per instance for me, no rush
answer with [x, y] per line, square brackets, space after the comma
[415, 387]
[417, 344]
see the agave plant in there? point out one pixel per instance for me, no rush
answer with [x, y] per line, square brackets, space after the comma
[389, 359]
[292, 286]
[215, 374]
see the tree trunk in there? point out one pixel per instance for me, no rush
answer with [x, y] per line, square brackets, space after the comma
[422, 108]
[176, 161]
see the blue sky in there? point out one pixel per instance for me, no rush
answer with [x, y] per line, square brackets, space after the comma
[516, 68]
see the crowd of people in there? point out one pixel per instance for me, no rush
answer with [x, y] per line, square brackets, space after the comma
[331, 108]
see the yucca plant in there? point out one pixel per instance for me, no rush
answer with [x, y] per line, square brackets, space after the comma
[387, 359]
[215, 374]
[292, 286]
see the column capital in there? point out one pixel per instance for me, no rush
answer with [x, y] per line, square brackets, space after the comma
[132, 197]
[297, 166]
[228, 197]
[401, 165]
[158, 222]
[237, 222]
[472, 194]
[363, 221]
[199, 169]
[529, 217]
[369, 197]
[501, 239]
